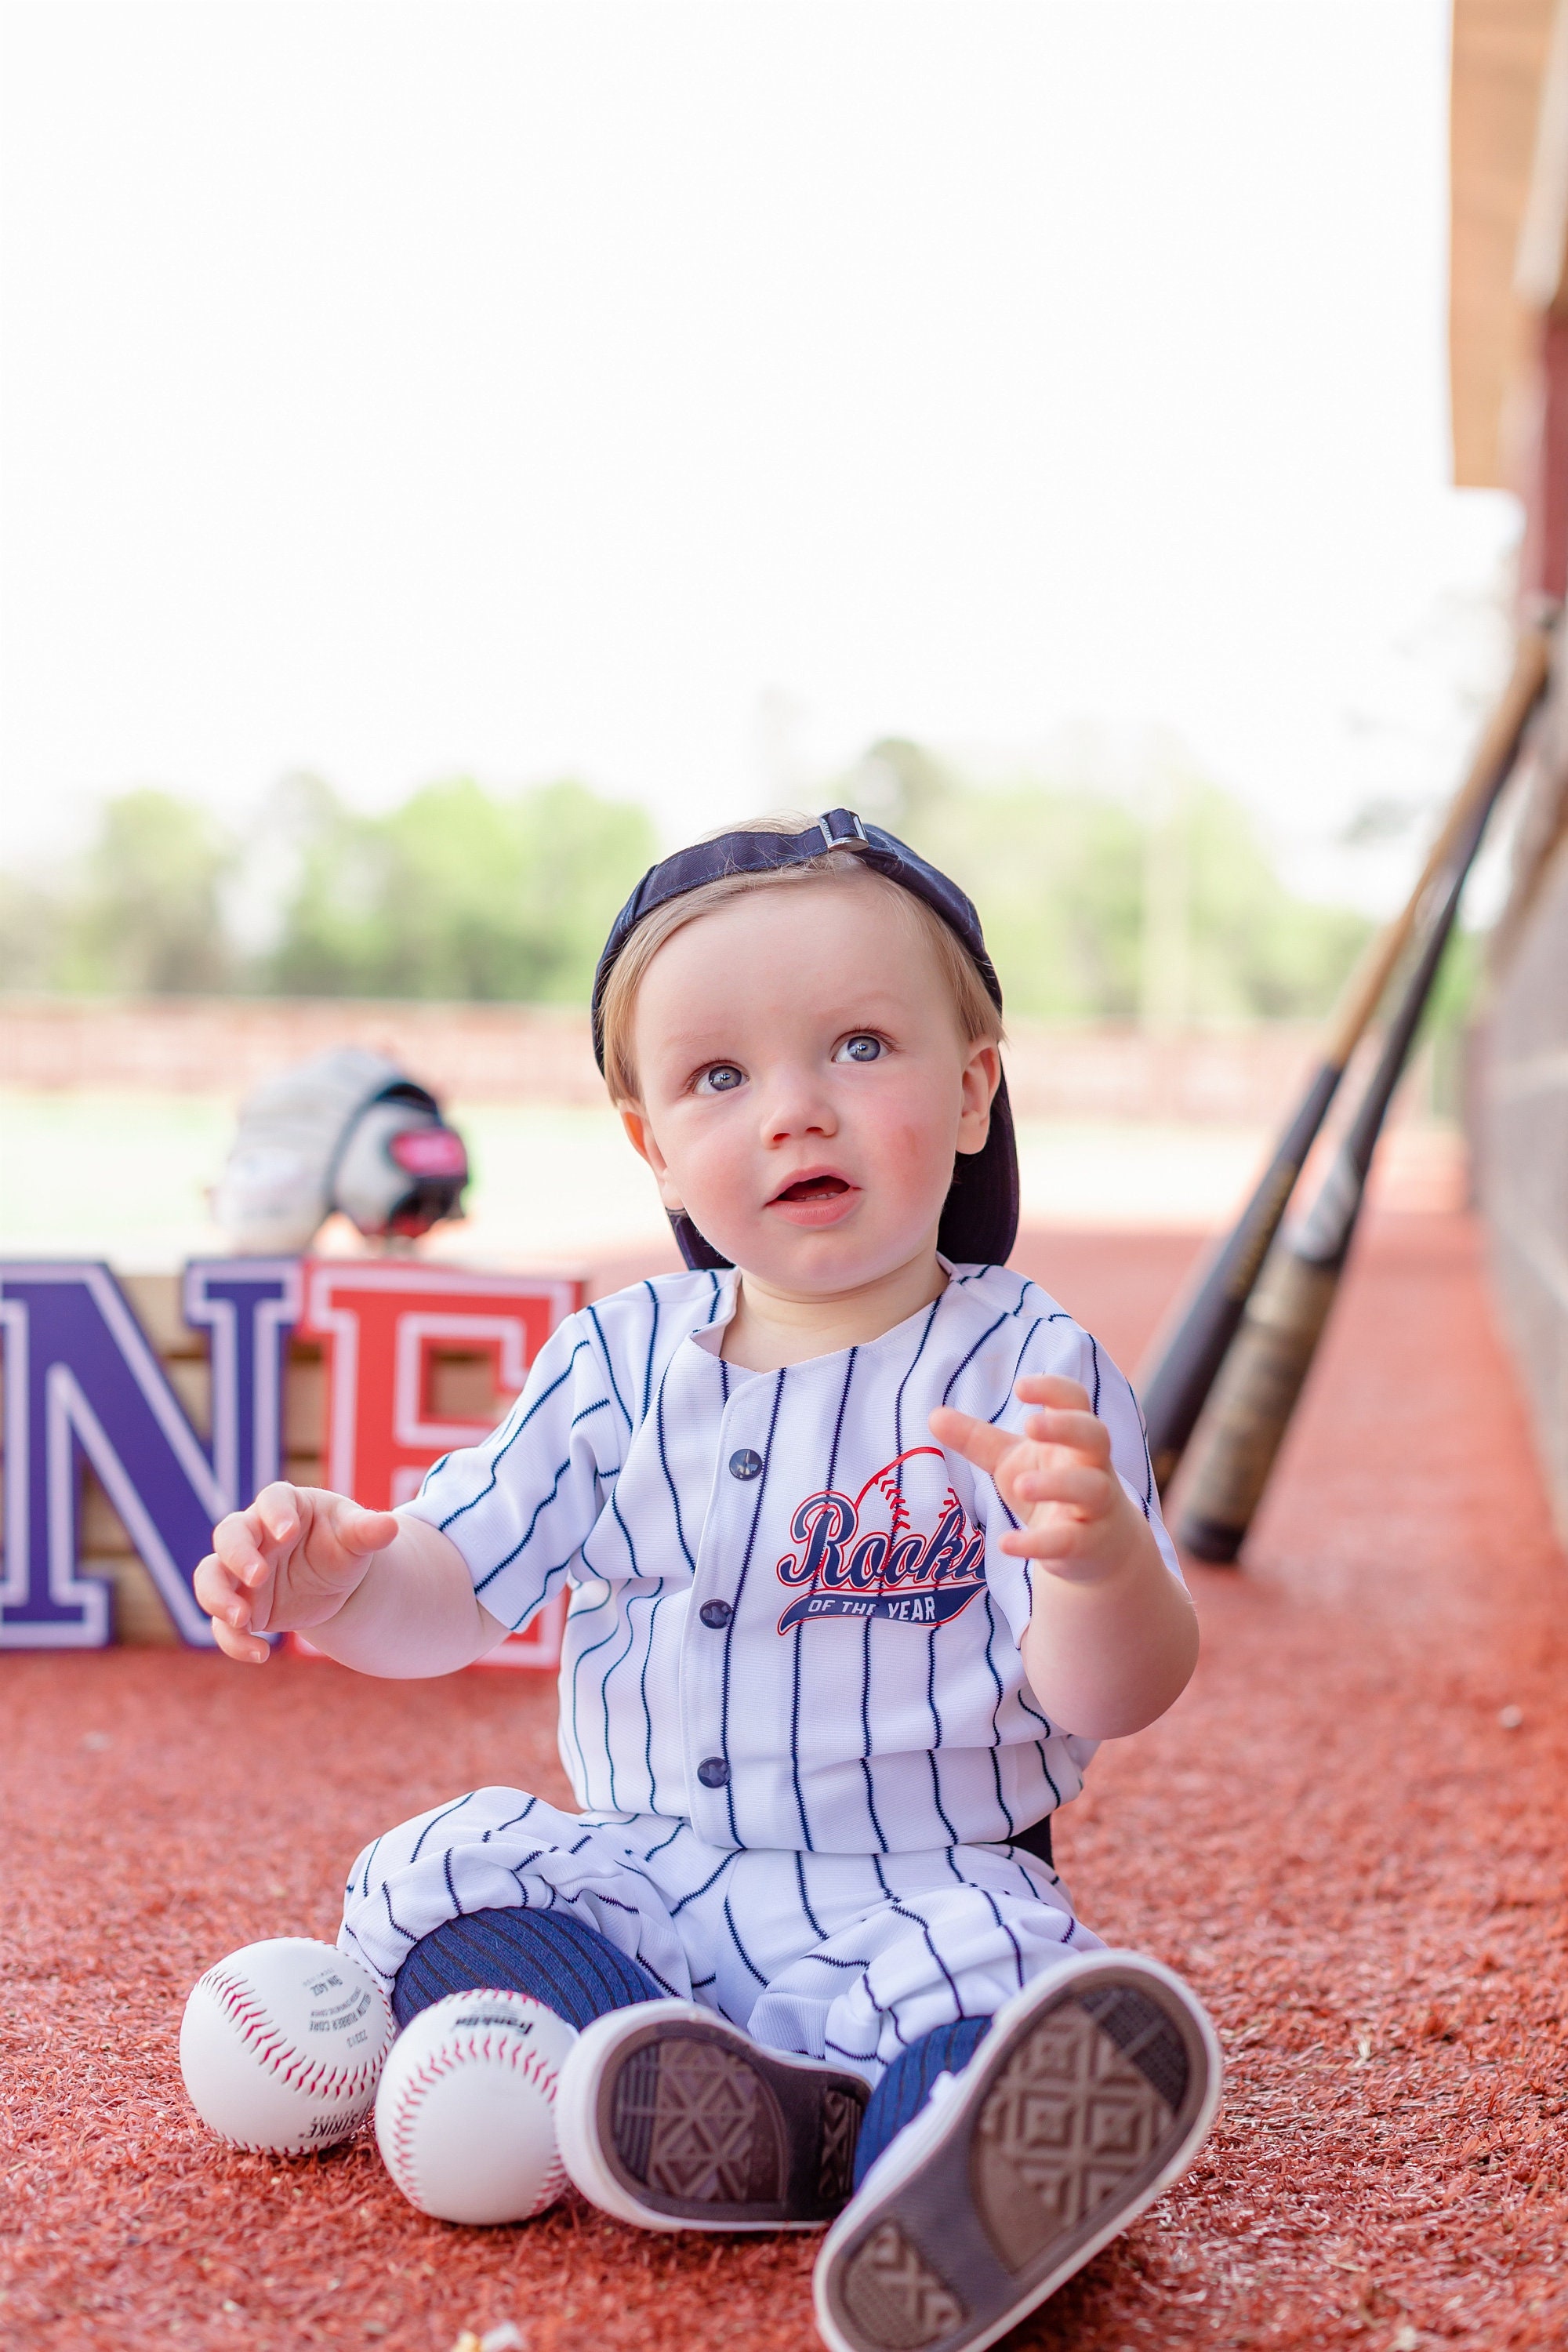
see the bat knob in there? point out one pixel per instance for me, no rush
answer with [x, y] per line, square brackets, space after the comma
[1208, 1539]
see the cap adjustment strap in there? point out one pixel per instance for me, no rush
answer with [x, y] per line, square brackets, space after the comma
[840, 824]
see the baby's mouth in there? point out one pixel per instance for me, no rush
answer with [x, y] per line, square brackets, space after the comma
[813, 1187]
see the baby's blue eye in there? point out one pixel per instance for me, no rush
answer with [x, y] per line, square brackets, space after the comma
[721, 1079]
[861, 1049]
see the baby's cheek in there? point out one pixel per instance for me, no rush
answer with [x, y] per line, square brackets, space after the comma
[715, 1171]
[921, 1151]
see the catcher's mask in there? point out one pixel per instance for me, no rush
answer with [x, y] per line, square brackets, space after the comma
[979, 1215]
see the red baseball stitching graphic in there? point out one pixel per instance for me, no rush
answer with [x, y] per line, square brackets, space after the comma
[890, 1487]
[891, 1568]
[526, 2061]
[262, 2038]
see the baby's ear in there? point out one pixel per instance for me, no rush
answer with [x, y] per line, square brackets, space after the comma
[640, 1135]
[982, 1077]
[643, 1142]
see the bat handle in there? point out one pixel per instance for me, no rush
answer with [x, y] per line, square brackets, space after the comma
[1253, 1400]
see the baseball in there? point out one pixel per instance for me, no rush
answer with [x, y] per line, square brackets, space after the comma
[465, 2116]
[282, 2044]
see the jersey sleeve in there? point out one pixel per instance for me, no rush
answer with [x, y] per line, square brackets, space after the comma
[520, 1505]
[1065, 1348]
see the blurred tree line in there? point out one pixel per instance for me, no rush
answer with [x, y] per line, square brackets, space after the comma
[1095, 908]
[1106, 906]
[458, 893]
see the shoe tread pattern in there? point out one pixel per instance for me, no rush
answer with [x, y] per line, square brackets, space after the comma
[696, 2124]
[1142, 2033]
[895, 2297]
[1076, 2111]
[841, 2117]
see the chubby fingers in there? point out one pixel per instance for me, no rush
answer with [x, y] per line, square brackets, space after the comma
[980, 1441]
[1054, 1535]
[1062, 1478]
[218, 1589]
[235, 1642]
[1081, 1433]
[1063, 1420]
[1065, 1416]
[233, 1582]
[1052, 1388]
[230, 1607]
[276, 1511]
[359, 1530]
[242, 1541]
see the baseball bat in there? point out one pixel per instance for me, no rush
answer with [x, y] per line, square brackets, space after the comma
[1268, 1362]
[1185, 1359]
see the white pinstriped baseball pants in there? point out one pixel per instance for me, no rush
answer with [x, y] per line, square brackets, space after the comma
[841, 1955]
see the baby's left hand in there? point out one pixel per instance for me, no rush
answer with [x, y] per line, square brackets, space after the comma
[1055, 1478]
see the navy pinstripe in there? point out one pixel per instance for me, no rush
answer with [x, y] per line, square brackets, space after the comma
[511, 1430]
[855, 1709]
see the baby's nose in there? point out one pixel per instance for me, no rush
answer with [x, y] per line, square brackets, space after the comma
[796, 1105]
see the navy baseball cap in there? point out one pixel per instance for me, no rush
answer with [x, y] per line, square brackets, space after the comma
[980, 1216]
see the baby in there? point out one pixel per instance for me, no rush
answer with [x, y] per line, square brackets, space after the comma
[864, 1559]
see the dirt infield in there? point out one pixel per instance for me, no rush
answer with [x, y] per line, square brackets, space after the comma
[1349, 1834]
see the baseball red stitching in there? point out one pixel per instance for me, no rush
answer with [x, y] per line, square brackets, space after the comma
[277, 2054]
[523, 2059]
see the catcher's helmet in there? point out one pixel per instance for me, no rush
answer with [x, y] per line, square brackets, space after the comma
[348, 1131]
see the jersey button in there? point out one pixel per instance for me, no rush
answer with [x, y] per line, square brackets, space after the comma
[715, 1614]
[745, 1465]
[712, 1771]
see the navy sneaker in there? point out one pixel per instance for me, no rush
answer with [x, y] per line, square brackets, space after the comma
[669, 2117]
[1092, 2092]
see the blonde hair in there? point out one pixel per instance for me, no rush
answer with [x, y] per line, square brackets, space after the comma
[978, 1017]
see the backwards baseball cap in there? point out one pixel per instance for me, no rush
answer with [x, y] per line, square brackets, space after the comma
[980, 1216]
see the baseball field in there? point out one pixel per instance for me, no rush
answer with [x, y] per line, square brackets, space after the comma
[1348, 1835]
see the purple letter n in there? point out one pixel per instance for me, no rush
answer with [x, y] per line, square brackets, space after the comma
[82, 1379]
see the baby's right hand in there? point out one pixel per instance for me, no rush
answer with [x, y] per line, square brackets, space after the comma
[291, 1560]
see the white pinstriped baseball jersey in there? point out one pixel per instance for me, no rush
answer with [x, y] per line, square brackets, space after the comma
[790, 1623]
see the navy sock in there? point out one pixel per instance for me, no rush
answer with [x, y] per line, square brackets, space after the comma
[906, 2086]
[553, 1955]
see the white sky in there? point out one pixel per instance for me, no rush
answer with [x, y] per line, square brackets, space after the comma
[683, 393]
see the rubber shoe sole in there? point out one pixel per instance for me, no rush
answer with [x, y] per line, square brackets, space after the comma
[1093, 2090]
[673, 2119]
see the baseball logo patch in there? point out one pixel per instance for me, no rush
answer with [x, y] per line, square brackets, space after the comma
[901, 1549]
